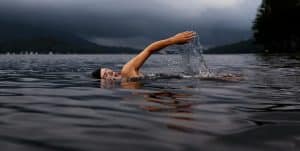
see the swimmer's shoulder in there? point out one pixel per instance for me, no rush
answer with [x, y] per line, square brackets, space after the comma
[132, 74]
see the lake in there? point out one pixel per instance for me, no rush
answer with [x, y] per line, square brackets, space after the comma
[50, 102]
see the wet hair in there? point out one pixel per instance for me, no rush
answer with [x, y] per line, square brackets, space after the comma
[97, 73]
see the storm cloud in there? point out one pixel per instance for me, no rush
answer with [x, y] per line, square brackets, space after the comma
[136, 22]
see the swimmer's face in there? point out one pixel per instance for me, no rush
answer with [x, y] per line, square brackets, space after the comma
[109, 74]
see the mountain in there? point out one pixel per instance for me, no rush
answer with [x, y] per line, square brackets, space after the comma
[247, 46]
[18, 38]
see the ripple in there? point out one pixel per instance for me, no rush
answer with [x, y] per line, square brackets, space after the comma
[51, 103]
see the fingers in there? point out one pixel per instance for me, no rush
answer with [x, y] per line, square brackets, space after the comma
[184, 37]
[189, 39]
[189, 34]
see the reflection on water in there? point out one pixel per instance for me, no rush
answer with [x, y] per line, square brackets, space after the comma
[166, 102]
[51, 103]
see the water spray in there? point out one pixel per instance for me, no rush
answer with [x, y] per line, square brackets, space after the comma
[193, 59]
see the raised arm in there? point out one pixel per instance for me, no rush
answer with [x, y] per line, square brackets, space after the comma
[131, 68]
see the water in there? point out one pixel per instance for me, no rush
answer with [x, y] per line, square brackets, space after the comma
[193, 60]
[49, 102]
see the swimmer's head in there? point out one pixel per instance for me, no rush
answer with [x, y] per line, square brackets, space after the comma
[106, 73]
[109, 74]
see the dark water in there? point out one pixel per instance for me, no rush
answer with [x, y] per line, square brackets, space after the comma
[50, 103]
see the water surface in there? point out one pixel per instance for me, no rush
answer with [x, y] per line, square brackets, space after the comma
[50, 102]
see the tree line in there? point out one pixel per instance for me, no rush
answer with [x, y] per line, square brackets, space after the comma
[277, 26]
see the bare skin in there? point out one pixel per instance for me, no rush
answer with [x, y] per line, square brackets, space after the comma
[132, 68]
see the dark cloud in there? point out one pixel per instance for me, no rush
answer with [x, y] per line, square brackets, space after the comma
[136, 22]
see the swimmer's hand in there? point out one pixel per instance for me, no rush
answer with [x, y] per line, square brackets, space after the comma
[183, 38]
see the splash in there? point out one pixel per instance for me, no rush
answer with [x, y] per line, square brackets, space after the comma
[193, 60]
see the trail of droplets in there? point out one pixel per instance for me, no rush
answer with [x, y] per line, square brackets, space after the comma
[193, 59]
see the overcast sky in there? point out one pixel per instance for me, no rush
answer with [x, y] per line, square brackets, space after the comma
[136, 22]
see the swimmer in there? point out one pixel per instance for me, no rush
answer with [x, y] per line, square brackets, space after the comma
[132, 68]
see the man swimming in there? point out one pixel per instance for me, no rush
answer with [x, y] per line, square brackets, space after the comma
[132, 68]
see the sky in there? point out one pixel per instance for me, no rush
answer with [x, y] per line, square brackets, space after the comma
[135, 23]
